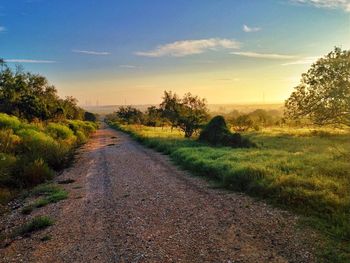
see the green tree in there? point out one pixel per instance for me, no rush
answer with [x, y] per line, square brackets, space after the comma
[129, 115]
[188, 114]
[323, 95]
[30, 96]
[243, 123]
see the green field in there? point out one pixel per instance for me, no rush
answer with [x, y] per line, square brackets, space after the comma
[304, 170]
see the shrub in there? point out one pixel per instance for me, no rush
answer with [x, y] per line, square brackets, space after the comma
[9, 122]
[42, 146]
[216, 133]
[8, 141]
[81, 138]
[59, 131]
[7, 164]
[36, 172]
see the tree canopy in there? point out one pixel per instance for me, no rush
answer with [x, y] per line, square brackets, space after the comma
[323, 95]
[188, 114]
[30, 96]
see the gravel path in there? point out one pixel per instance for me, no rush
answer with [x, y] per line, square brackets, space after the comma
[130, 204]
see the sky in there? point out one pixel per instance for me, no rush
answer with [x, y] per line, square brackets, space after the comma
[110, 52]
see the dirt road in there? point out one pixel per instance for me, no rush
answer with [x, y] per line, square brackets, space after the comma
[130, 204]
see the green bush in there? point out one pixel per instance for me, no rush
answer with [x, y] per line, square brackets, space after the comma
[36, 172]
[7, 165]
[8, 141]
[81, 137]
[38, 145]
[59, 131]
[9, 122]
[216, 133]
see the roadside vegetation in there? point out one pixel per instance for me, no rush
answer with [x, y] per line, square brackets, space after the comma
[38, 131]
[299, 160]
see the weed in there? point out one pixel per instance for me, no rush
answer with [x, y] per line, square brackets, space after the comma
[36, 224]
[50, 193]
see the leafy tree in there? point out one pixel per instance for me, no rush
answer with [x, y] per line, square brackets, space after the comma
[153, 117]
[323, 95]
[243, 123]
[129, 115]
[170, 108]
[188, 114]
[30, 96]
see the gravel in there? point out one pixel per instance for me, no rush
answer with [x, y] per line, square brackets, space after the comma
[131, 204]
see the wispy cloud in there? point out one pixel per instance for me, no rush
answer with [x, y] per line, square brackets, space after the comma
[34, 61]
[91, 52]
[190, 47]
[248, 29]
[2, 29]
[302, 61]
[127, 66]
[263, 55]
[332, 4]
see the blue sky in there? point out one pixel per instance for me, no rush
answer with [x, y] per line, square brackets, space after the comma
[229, 51]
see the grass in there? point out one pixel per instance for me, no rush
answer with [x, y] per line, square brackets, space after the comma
[36, 224]
[51, 194]
[304, 170]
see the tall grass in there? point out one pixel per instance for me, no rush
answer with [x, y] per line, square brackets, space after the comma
[307, 171]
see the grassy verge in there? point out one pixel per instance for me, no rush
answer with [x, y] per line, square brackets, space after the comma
[307, 171]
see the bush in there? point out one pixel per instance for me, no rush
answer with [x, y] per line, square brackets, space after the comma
[8, 141]
[42, 146]
[36, 172]
[216, 133]
[7, 164]
[59, 131]
[9, 122]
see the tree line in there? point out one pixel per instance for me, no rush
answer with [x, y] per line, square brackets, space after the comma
[321, 98]
[30, 96]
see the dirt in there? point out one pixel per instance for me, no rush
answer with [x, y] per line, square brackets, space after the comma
[130, 204]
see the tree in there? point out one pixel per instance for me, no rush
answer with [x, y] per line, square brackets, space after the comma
[243, 123]
[188, 114]
[323, 95]
[30, 96]
[153, 117]
[129, 115]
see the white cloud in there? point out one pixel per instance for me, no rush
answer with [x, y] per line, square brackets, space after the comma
[2, 29]
[332, 4]
[35, 61]
[127, 66]
[190, 47]
[248, 29]
[91, 52]
[262, 55]
[302, 61]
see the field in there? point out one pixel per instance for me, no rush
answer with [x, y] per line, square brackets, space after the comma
[304, 170]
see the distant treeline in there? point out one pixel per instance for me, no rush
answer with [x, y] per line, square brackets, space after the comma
[238, 121]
